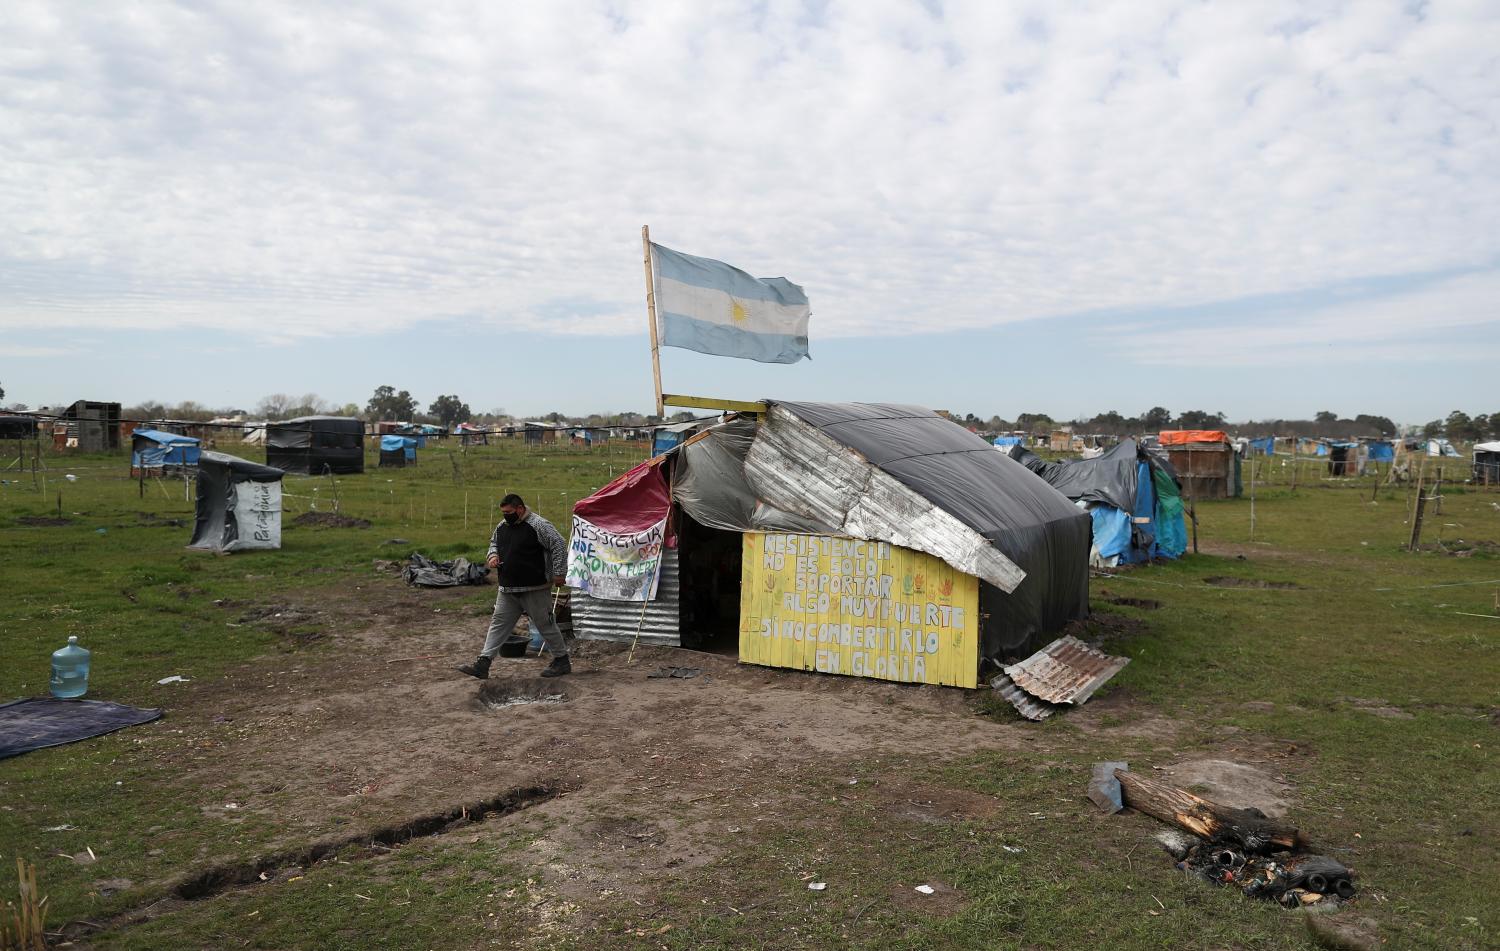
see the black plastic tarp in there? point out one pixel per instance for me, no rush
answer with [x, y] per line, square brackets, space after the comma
[316, 444]
[1110, 478]
[423, 572]
[36, 723]
[1023, 517]
[239, 504]
[17, 427]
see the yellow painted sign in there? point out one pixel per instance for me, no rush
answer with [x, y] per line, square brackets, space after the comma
[864, 609]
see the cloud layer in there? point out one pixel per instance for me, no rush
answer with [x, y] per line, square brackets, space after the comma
[316, 168]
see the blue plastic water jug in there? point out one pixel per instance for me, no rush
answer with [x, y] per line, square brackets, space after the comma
[70, 670]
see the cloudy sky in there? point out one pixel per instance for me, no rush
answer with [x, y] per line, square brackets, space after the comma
[1258, 207]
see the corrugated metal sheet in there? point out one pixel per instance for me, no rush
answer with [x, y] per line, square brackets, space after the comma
[798, 468]
[1065, 671]
[599, 620]
[1026, 705]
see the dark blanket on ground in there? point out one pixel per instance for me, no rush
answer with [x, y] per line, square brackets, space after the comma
[426, 573]
[39, 722]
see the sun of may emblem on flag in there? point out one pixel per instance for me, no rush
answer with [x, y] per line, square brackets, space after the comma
[737, 311]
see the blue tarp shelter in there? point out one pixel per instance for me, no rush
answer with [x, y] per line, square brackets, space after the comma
[155, 449]
[1265, 446]
[1132, 497]
[1005, 442]
[398, 450]
[1381, 450]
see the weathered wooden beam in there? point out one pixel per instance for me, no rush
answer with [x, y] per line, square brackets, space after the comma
[1251, 831]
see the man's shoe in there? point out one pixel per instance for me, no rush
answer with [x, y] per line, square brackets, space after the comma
[558, 667]
[480, 668]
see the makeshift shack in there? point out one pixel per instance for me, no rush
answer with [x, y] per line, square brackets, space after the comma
[1380, 450]
[1132, 497]
[1345, 458]
[316, 444]
[872, 540]
[671, 436]
[1206, 464]
[397, 451]
[535, 433]
[239, 505]
[91, 426]
[17, 427]
[1008, 440]
[1487, 463]
[1442, 448]
[472, 435]
[153, 449]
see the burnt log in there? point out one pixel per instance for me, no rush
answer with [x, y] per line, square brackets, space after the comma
[1249, 830]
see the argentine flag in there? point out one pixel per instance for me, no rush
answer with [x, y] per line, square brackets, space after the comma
[708, 306]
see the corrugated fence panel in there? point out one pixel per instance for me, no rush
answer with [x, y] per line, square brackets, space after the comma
[598, 620]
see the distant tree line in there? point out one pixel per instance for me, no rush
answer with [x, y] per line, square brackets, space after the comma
[448, 410]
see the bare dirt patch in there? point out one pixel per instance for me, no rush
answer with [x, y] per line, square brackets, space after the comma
[373, 726]
[1222, 581]
[329, 520]
[944, 899]
[43, 521]
[936, 803]
[1145, 604]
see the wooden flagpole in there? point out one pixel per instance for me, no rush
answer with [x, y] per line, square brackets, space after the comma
[651, 319]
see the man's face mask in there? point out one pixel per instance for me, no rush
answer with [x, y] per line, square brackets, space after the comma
[511, 517]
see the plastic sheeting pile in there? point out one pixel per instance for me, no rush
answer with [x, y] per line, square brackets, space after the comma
[423, 572]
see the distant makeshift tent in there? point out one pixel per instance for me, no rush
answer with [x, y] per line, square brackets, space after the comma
[316, 444]
[1005, 442]
[154, 449]
[1380, 450]
[239, 504]
[18, 427]
[1205, 462]
[1441, 448]
[1487, 463]
[668, 437]
[1132, 498]
[398, 451]
[1264, 446]
[472, 435]
[1345, 458]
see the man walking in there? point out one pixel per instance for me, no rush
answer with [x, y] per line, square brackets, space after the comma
[531, 557]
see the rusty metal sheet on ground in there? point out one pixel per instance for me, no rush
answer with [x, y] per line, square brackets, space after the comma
[1065, 671]
[1026, 705]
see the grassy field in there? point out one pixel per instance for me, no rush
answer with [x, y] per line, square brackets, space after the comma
[1318, 649]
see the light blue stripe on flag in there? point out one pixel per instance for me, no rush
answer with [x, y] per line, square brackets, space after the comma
[718, 276]
[711, 307]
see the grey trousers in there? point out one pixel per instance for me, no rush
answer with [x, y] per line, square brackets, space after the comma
[508, 610]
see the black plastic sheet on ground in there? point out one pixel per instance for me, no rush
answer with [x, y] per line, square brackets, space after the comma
[39, 722]
[423, 572]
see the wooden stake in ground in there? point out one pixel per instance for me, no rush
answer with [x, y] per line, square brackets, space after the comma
[1295, 440]
[1416, 517]
[1252, 493]
[1209, 820]
[651, 318]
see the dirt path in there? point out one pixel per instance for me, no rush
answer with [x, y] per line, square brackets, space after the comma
[374, 727]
